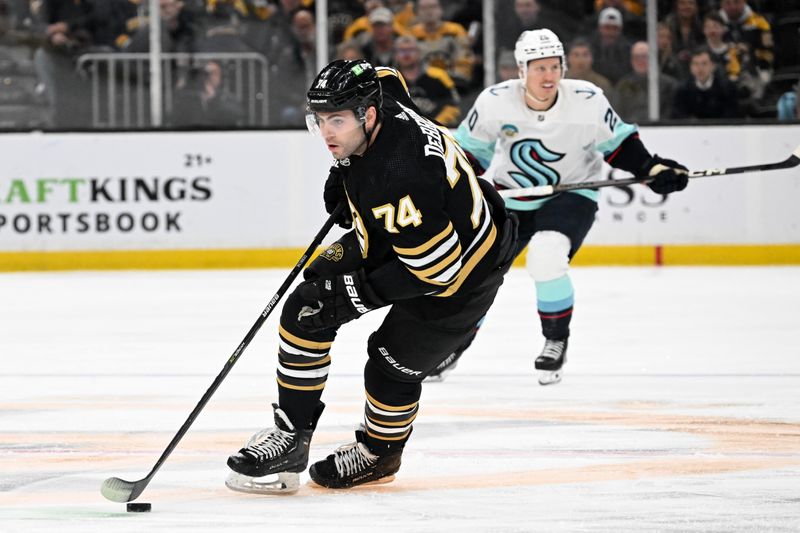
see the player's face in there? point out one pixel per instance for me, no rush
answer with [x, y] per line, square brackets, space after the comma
[543, 77]
[341, 131]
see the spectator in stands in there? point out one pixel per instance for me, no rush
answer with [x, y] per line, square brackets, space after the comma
[632, 91]
[724, 54]
[527, 15]
[363, 25]
[202, 101]
[579, 62]
[634, 7]
[403, 12]
[341, 14]
[349, 51]
[444, 44]
[787, 105]
[611, 50]
[751, 32]
[292, 71]
[377, 45]
[687, 30]
[707, 93]
[634, 26]
[431, 88]
[507, 68]
[22, 104]
[279, 28]
[179, 30]
[667, 62]
[67, 35]
[227, 23]
[470, 15]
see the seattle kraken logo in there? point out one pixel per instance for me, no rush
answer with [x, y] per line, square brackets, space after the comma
[530, 156]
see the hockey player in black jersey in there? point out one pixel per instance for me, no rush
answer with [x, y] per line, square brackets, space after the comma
[428, 238]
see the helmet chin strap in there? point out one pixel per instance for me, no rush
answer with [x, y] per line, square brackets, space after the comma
[368, 133]
[533, 97]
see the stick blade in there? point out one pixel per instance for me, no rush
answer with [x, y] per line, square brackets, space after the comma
[119, 490]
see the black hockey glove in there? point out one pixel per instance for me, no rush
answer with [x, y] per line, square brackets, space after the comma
[334, 194]
[670, 176]
[335, 300]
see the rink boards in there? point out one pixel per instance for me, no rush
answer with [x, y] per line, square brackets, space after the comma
[253, 199]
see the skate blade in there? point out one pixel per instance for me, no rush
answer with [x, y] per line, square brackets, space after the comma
[549, 377]
[280, 483]
[381, 481]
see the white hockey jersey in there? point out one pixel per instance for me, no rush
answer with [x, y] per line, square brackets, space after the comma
[521, 147]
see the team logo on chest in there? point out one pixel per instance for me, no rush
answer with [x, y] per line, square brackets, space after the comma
[531, 157]
[509, 130]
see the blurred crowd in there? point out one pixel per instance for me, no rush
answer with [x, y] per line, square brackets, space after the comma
[723, 59]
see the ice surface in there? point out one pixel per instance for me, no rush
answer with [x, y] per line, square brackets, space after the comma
[679, 409]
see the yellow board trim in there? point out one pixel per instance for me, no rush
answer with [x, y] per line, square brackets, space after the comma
[671, 255]
[149, 259]
[686, 255]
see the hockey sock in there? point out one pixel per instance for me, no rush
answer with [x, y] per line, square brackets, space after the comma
[387, 426]
[554, 299]
[390, 409]
[303, 364]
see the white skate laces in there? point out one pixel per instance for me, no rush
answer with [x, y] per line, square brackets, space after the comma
[271, 442]
[353, 458]
[552, 349]
[550, 362]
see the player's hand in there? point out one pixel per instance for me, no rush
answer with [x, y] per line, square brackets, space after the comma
[670, 176]
[335, 300]
[334, 194]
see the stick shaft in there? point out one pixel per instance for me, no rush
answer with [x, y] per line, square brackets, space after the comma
[546, 190]
[243, 345]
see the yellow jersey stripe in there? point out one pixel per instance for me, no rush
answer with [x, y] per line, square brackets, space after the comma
[471, 262]
[422, 248]
[440, 266]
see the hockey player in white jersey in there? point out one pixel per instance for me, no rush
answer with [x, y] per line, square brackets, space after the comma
[545, 130]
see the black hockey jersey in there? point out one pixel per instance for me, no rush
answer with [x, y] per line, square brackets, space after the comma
[423, 224]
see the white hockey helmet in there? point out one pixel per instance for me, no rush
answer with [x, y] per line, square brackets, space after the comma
[538, 44]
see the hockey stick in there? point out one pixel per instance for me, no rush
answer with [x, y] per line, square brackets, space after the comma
[119, 490]
[546, 190]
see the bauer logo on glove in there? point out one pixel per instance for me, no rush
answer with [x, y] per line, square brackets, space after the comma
[336, 300]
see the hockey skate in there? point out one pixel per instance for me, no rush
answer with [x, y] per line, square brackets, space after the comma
[550, 362]
[271, 461]
[354, 464]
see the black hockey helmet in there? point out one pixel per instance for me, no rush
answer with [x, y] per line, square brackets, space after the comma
[345, 85]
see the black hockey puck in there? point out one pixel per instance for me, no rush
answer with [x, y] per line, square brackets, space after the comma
[139, 507]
